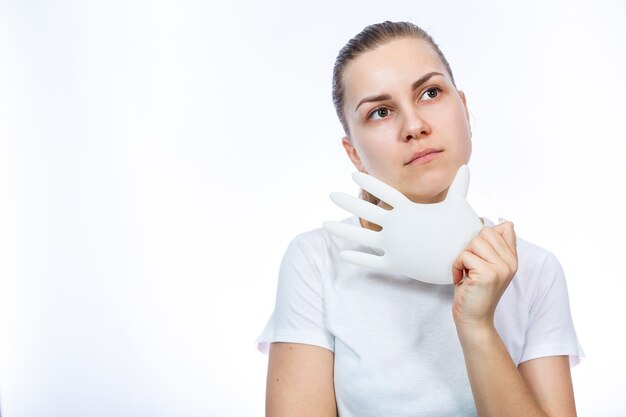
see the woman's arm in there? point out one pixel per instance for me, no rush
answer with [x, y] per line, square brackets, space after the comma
[300, 381]
[550, 381]
[540, 387]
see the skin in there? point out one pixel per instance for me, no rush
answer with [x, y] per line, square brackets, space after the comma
[385, 134]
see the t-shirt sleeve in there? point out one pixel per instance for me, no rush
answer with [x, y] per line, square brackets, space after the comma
[298, 315]
[550, 330]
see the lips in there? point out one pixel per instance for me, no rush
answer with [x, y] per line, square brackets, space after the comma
[423, 156]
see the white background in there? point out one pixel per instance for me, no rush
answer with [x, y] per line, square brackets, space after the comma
[156, 157]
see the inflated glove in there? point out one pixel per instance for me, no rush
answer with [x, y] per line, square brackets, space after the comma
[418, 240]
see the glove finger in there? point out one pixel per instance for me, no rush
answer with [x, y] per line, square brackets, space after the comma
[354, 233]
[364, 259]
[360, 208]
[378, 188]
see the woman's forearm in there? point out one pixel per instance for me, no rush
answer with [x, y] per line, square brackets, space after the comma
[497, 386]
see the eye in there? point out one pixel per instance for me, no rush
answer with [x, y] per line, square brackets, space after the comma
[431, 93]
[378, 113]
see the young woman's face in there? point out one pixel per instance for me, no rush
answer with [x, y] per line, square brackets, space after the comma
[409, 126]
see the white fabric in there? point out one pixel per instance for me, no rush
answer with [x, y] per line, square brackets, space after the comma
[395, 344]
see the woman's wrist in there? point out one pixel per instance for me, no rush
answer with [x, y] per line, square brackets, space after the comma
[478, 335]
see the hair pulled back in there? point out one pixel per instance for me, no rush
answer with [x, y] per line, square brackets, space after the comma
[368, 39]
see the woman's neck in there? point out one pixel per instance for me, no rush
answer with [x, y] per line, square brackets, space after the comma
[373, 226]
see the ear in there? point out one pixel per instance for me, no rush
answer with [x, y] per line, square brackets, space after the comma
[352, 153]
[464, 100]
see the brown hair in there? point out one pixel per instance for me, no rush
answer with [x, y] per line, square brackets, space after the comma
[368, 39]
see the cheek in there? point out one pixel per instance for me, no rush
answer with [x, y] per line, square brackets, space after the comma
[367, 144]
[375, 158]
[466, 146]
[377, 146]
[460, 123]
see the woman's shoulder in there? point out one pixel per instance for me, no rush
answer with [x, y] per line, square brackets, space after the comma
[536, 260]
[317, 245]
[530, 253]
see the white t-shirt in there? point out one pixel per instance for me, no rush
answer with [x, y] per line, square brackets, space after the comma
[396, 348]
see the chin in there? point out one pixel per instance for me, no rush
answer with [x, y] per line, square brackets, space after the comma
[432, 190]
[427, 198]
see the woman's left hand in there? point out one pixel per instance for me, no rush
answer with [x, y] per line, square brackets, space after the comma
[481, 274]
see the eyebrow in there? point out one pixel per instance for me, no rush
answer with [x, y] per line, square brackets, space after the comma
[415, 86]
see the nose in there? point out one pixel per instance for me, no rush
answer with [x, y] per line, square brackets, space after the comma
[415, 126]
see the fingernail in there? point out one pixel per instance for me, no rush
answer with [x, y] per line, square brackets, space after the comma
[501, 220]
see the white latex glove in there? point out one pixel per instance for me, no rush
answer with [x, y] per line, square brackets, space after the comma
[419, 240]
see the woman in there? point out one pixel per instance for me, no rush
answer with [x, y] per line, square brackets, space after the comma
[349, 341]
